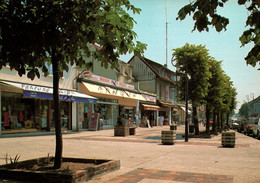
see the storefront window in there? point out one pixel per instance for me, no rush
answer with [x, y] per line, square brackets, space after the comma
[87, 111]
[30, 114]
[64, 114]
[107, 109]
[17, 112]
[108, 114]
[128, 113]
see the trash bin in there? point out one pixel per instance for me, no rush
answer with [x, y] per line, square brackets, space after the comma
[191, 128]
[228, 139]
[168, 137]
[173, 127]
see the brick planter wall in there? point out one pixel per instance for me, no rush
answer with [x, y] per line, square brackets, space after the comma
[121, 131]
[168, 137]
[228, 139]
[173, 127]
[132, 130]
[101, 167]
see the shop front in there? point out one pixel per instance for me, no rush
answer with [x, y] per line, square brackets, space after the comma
[128, 111]
[149, 112]
[29, 108]
[112, 102]
[167, 110]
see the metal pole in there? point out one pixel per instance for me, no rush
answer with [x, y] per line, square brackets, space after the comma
[166, 34]
[186, 100]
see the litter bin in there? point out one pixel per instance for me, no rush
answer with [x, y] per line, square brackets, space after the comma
[173, 127]
[228, 139]
[191, 128]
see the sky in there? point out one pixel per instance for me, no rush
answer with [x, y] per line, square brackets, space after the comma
[224, 46]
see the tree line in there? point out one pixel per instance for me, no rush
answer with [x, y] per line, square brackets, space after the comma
[208, 85]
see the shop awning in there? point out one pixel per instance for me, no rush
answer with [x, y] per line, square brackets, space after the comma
[166, 104]
[151, 107]
[36, 91]
[101, 89]
[184, 109]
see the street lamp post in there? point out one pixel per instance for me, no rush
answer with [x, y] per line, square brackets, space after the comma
[186, 101]
[186, 106]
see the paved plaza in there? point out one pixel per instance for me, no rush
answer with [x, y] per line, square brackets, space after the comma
[144, 159]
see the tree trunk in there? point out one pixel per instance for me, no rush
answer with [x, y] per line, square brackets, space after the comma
[195, 120]
[207, 119]
[58, 151]
[214, 122]
[227, 119]
[218, 121]
[221, 121]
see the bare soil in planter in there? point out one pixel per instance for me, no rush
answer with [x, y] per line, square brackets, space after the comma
[72, 169]
[66, 167]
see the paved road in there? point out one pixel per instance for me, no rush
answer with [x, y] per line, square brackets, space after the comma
[145, 160]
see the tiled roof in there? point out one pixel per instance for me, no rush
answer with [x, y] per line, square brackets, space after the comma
[153, 65]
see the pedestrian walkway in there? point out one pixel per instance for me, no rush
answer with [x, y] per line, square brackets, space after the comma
[144, 159]
[148, 176]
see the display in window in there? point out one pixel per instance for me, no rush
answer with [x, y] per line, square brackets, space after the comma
[6, 119]
[93, 123]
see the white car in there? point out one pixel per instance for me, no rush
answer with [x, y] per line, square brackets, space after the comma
[256, 128]
[235, 125]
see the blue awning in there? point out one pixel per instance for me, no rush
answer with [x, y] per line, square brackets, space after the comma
[36, 91]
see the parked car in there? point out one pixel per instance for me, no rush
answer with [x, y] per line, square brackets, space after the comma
[233, 124]
[256, 128]
[248, 126]
[241, 124]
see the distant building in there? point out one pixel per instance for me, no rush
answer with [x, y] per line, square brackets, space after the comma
[158, 79]
[117, 94]
[254, 107]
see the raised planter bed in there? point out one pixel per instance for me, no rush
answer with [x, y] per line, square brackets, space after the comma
[168, 137]
[40, 170]
[173, 127]
[191, 128]
[132, 130]
[121, 131]
[228, 139]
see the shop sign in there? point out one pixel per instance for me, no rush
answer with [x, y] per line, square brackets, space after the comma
[36, 88]
[151, 109]
[116, 92]
[128, 107]
[149, 98]
[106, 80]
[86, 74]
[43, 89]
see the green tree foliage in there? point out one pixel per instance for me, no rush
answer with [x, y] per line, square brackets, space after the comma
[194, 61]
[229, 99]
[205, 14]
[244, 109]
[214, 96]
[59, 32]
[221, 97]
[29, 30]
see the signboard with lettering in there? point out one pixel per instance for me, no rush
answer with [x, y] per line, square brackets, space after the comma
[88, 74]
[93, 123]
[149, 98]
